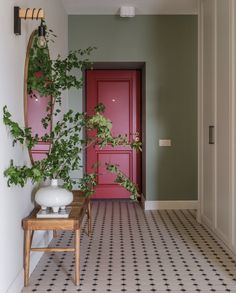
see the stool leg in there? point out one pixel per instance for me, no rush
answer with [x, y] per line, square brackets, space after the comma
[31, 238]
[54, 233]
[77, 257]
[27, 256]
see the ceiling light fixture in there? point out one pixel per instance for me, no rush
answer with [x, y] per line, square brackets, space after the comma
[127, 11]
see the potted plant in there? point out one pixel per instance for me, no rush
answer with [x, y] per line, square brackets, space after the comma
[65, 139]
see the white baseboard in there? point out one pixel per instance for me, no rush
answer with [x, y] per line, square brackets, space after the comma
[171, 205]
[44, 239]
[229, 247]
[206, 221]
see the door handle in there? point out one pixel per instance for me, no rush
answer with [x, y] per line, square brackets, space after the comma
[211, 134]
[136, 136]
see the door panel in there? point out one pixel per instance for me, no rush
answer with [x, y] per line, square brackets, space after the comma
[223, 201]
[36, 111]
[115, 95]
[122, 159]
[119, 91]
[208, 110]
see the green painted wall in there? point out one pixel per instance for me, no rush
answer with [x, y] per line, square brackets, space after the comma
[168, 46]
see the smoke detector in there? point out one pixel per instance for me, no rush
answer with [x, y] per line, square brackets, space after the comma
[127, 11]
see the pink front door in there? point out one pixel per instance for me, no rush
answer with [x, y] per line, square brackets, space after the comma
[119, 91]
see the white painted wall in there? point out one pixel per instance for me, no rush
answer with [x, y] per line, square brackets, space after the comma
[16, 202]
[217, 53]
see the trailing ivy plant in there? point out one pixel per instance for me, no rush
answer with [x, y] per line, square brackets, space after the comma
[66, 147]
[50, 78]
[122, 179]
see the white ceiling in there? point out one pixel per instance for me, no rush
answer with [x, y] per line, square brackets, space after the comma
[141, 6]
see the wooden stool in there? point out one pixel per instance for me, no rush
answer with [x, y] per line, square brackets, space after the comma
[80, 207]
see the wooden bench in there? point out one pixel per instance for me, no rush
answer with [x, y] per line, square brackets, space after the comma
[80, 207]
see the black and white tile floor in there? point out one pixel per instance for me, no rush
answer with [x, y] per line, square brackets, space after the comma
[135, 251]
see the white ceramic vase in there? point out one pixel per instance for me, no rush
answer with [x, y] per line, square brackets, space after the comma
[53, 196]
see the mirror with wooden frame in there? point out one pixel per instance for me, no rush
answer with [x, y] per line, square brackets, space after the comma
[36, 104]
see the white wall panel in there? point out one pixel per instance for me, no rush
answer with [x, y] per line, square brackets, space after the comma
[208, 108]
[233, 122]
[223, 119]
[217, 54]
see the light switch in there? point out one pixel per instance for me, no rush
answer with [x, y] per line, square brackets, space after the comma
[164, 142]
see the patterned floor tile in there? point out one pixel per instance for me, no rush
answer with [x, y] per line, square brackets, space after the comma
[135, 251]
